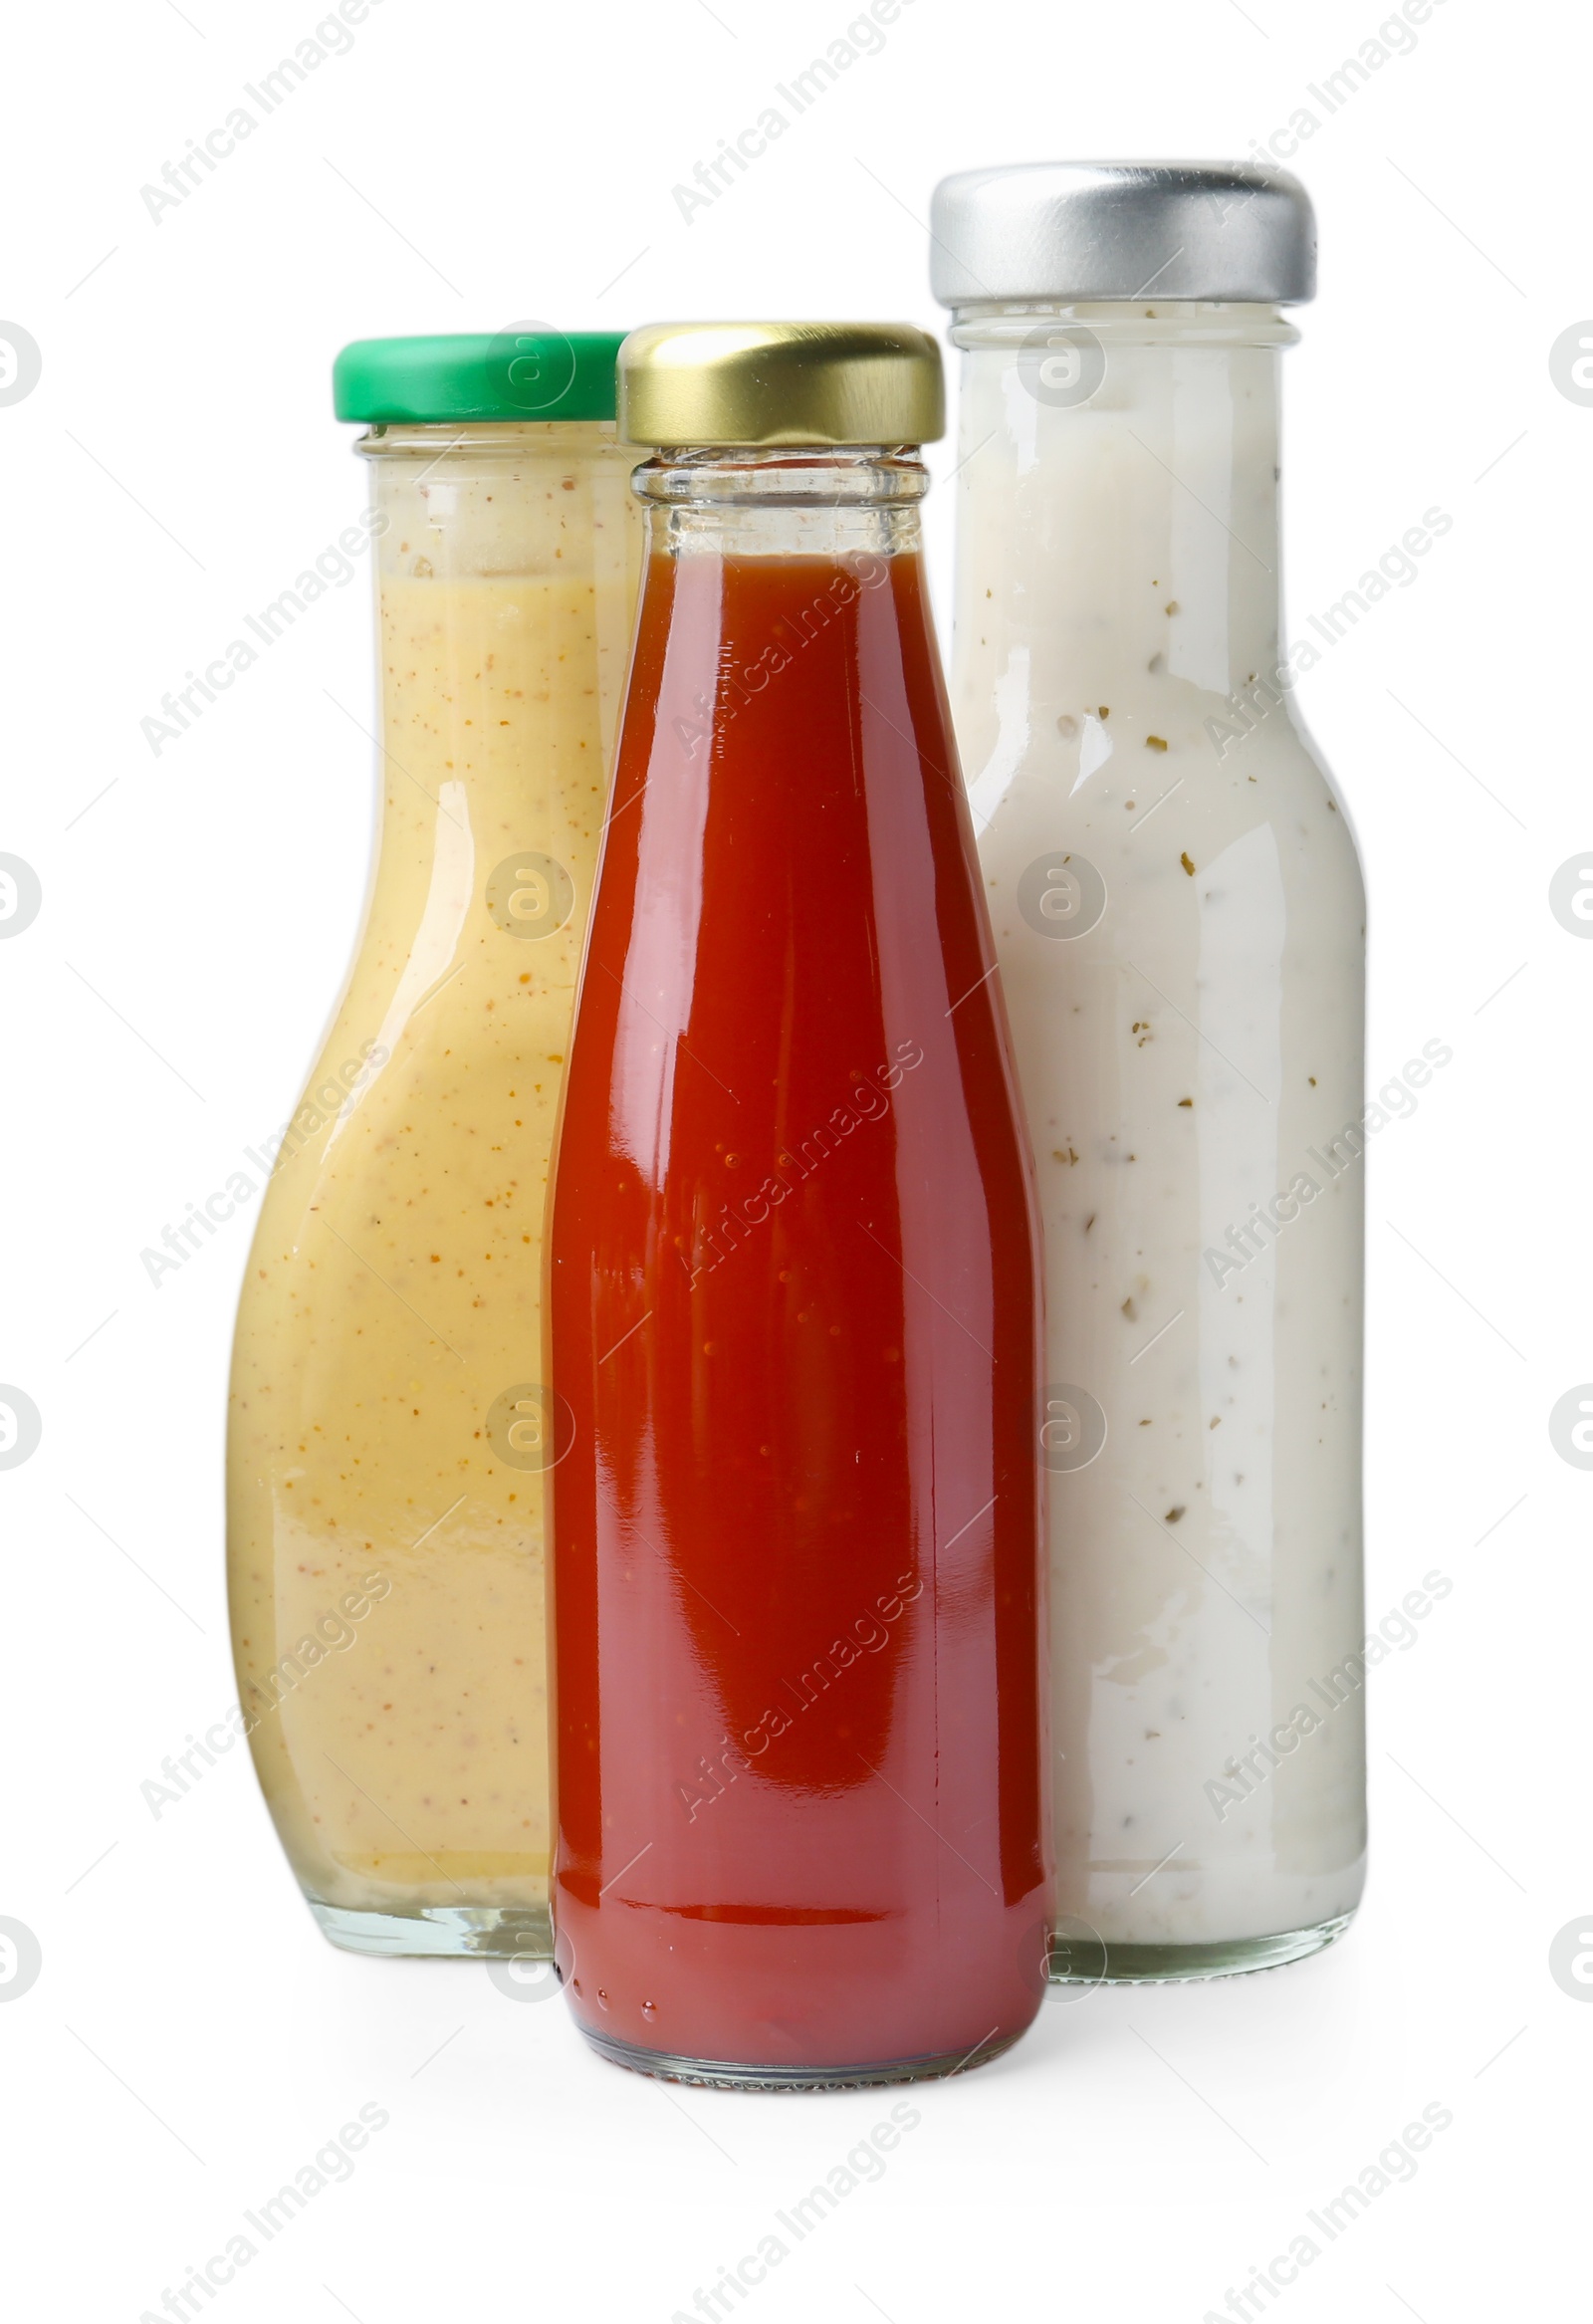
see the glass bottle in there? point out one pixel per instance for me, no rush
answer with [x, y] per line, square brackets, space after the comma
[802, 1839]
[387, 1456]
[1181, 924]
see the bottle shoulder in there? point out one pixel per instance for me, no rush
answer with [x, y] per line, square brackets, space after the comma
[1125, 795]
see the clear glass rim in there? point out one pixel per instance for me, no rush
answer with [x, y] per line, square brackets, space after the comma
[1009, 324]
[779, 476]
[515, 438]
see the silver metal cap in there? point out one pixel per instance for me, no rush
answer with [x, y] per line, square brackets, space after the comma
[1070, 230]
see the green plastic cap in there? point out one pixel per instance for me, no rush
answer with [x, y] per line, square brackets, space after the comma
[526, 372]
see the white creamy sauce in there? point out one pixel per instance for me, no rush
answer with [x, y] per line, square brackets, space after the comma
[1185, 1061]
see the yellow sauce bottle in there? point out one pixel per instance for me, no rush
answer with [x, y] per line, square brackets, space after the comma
[391, 1420]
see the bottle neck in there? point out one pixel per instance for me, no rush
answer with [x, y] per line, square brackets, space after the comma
[1118, 491]
[506, 563]
[833, 502]
[498, 500]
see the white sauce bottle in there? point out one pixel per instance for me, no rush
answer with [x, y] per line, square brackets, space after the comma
[1181, 924]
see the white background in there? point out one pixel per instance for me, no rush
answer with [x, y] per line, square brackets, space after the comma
[191, 2040]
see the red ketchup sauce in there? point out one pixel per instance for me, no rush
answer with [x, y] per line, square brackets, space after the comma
[800, 1717]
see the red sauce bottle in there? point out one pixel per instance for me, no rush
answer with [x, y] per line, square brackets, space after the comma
[794, 1297]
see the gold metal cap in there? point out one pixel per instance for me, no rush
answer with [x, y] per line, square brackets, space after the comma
[780, 384]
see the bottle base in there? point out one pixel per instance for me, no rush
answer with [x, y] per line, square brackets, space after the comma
[713, 2075]
[440, 1932]
[1077, 1959]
